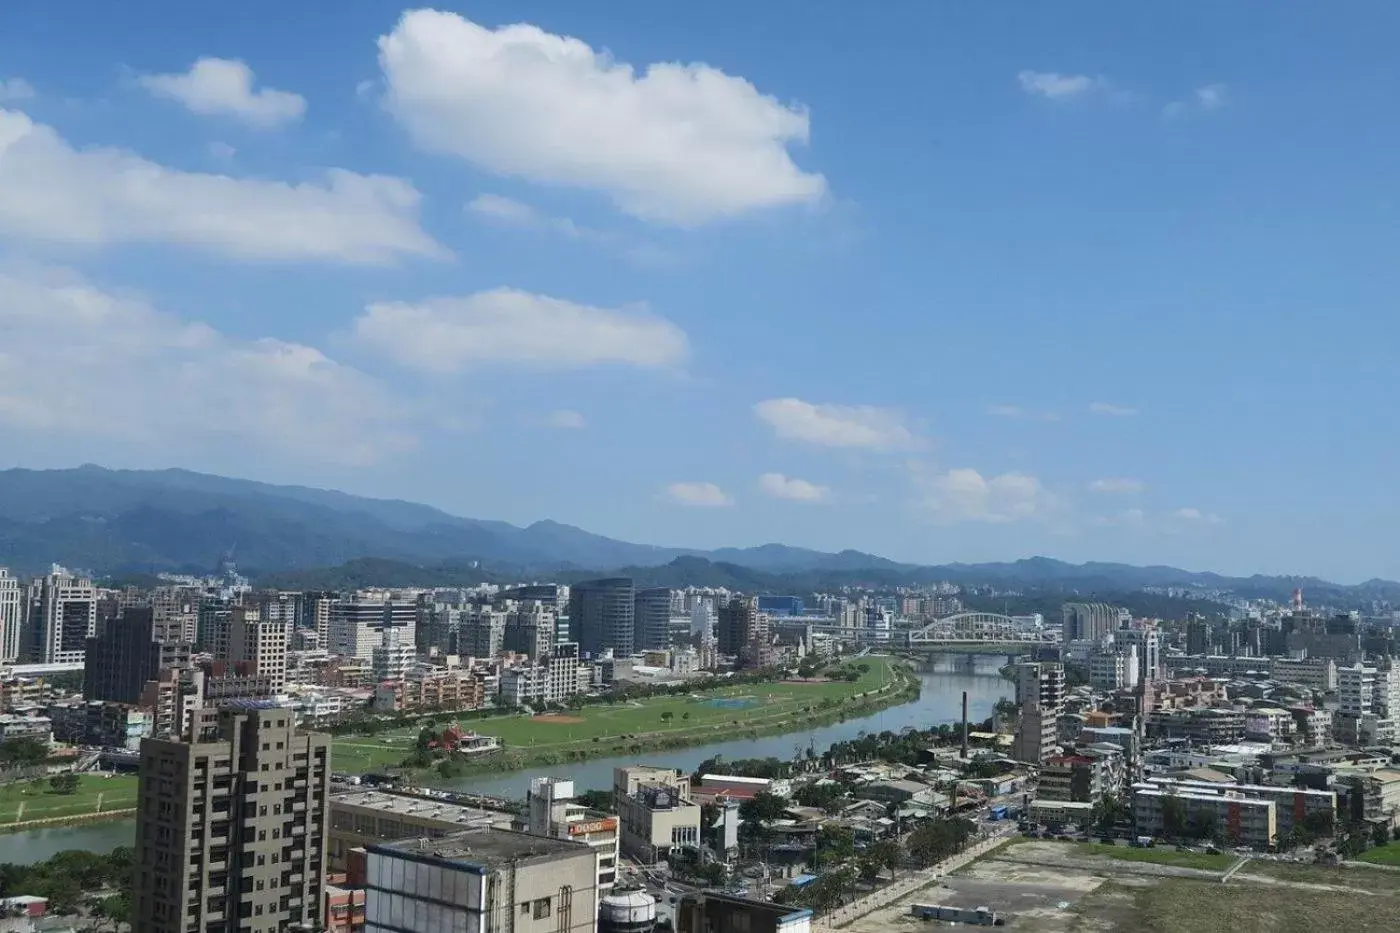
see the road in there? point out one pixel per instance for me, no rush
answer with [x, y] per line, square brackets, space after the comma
[912, 882]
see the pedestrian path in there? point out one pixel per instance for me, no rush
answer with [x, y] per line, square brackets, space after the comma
[886, 896]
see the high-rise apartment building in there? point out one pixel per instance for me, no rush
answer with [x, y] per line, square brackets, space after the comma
[316, 613]
[357, 624]
[602, 616]
[742, 631]
[530, 628]
[481, 632]
[126, 655]
[261, 643]
[1146, 643]
[62, 617]
[1198, 636]
[652, 617]
[393, 660]
[1088, 621]
[12, 609]
[1040, 693]
[230, 826]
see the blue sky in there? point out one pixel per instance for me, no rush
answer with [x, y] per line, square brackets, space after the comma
[942, 282]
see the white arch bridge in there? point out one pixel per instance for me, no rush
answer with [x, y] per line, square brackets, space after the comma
[977, 629]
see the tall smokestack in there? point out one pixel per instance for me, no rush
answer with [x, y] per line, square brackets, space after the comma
[964, 726]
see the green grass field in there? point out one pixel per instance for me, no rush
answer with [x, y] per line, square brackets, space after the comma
[698, 716]
[1382, 855]
[34, 800]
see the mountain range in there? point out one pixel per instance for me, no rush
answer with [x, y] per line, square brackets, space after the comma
[123, 522]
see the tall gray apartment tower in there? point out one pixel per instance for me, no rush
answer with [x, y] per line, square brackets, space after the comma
[602, 616]
[230, 826]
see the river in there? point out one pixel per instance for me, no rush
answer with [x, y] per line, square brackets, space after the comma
[939, 701]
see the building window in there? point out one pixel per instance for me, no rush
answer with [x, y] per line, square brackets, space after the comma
[541, 908]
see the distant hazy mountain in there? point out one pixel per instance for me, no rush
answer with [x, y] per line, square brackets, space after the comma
[138, 521]
[125, 521]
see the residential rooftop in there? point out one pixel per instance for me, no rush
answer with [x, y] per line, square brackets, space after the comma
[487, 847]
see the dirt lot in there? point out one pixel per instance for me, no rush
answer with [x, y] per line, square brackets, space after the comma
[1045, 887]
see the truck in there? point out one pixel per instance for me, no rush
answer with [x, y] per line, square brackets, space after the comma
[999, 812]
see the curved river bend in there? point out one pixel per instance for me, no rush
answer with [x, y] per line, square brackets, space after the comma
[939, 701]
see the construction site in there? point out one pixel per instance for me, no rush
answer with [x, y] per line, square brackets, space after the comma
[1058, 887]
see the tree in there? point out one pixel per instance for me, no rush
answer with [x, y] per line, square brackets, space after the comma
[826, 796]
[1108, 813]
[835, 844]
[685, 715]
[1173, 816]
[667, 716]
[869, 870]
[888, 853]
[763, 808]
[597, 800]
[65, 783]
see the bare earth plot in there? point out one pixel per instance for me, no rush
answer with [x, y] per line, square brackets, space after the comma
[1053, 887]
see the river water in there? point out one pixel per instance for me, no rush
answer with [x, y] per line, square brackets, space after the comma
[939, 702]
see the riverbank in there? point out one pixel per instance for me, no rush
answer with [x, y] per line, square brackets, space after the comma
[655, 724]
[27, 805]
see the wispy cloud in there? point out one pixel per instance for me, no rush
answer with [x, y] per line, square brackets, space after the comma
[1116, 411]
[506, 211]
[697, 495]
[1053, 85]
[1022, 414]
[1195, 516]
[567, 418]
[1205, 99]
[793, 489]
[965, 495]
[15, 89]
[1118, 484]
[861, 426]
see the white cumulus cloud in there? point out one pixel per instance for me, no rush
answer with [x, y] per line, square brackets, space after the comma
[505, 325]
[836, 425]
[567, 418]
[95, 197]
[80, 362]
[224, 87]
[1056, 86]
[1117, 484]
[674, 143]
[1116, 411]
[699, 495]
[791, 488]
[965, 495]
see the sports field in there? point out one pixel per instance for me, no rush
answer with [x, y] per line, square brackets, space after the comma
[34, 800]
[711, 715]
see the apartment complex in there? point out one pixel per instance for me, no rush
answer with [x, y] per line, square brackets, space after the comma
[479, 880]
[357, 623]
[62, 616]
[1089, 621]
[552, 679]
[230, 826]
[12, 609]
[602, 615]
[1040, 693]
[261, 643]
[363, 818]
[742, 631]
[652, 617]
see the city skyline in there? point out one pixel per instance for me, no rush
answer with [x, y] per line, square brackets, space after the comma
[983, 285]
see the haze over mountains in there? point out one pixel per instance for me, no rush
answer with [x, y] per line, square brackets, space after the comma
[137, 521]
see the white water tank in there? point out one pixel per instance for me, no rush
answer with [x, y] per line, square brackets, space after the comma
[627, 912]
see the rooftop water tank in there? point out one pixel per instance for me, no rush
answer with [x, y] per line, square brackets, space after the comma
[627, 912]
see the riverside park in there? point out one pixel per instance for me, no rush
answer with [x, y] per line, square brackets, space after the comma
[645, 724]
